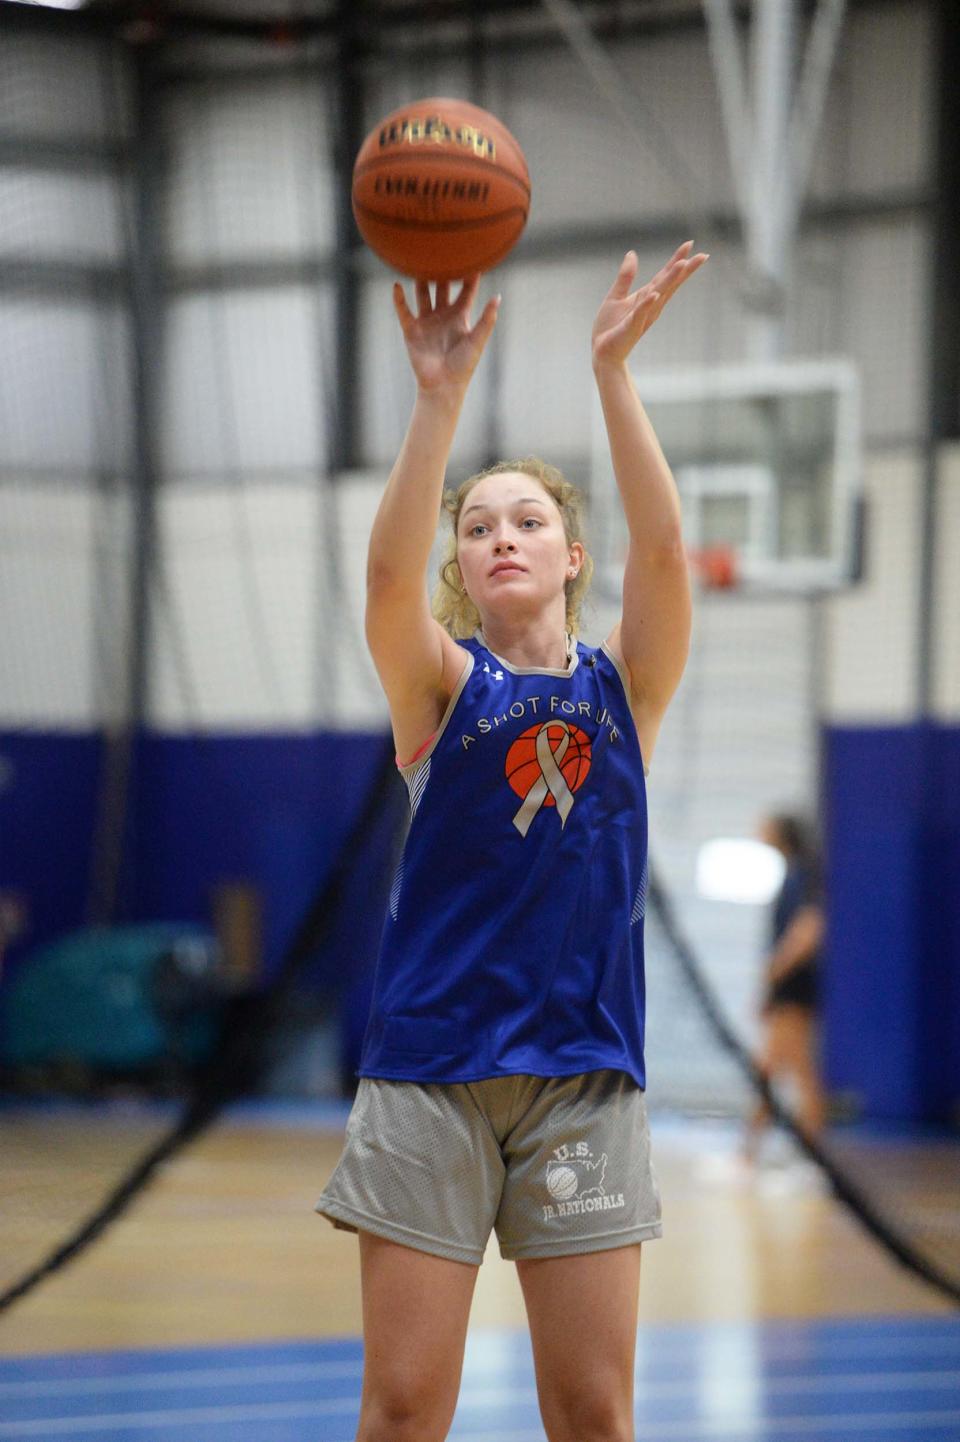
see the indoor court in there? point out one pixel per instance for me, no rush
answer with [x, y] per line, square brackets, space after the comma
[203, 829]
[220, 1306]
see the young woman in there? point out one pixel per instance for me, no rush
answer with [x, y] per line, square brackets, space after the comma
[502, 1080]
[791, 980]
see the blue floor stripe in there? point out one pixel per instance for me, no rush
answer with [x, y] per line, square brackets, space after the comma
[886, 1380]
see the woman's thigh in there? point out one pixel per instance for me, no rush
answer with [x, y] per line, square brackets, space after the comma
[579, 1176]
[789, 1037]
[415, 1311]
[583, 1312]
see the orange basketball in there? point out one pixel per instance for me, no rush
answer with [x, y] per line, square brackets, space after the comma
[441, 189]
[522, 767]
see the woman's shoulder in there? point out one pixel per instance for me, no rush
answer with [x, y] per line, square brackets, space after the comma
[803, 881]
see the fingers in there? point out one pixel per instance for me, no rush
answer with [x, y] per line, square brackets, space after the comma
[484, 327]
[683, 271]
[649, 302]
[676, 260]
[441, 298]
[637, 310]
[625, 276]
[680, 265]
[441, 301]
[646, 306]
[468, 292]
[678, 269]
[404, 312]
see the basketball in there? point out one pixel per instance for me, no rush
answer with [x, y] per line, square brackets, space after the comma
[562, 1182]
[571, 749]
[440, 190]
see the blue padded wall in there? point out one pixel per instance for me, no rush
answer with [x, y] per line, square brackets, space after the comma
[271, 810]
[892, 984]
[47, 815]
[275, 810]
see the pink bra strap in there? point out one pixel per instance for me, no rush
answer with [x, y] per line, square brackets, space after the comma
[419, 752]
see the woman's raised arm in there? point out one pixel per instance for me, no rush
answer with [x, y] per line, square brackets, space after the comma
[444, 350]
[654, 634]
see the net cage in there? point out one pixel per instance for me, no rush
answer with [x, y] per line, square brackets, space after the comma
[201, 393]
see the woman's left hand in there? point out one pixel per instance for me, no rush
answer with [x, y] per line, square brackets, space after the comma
[624, 317]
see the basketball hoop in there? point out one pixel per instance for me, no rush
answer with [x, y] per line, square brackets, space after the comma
[715, 566]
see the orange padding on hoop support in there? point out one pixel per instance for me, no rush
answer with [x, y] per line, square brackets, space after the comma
[715, 565]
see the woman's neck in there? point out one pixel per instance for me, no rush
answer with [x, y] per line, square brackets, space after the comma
[529, 648]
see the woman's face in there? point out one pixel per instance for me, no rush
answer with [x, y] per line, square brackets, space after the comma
[511, 518]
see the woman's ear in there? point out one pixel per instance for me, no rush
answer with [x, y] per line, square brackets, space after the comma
[576, 557]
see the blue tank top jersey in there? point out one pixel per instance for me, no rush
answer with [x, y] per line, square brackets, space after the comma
[513, 940]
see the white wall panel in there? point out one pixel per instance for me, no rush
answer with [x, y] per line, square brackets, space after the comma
[862, 293]
[881, 297]
[877, 126]
[235, 632]
[816, 304]
[245, 382]
[62, 89]
[357, 701]
[946, 657]
[65, 393]
[249, 171]
[872, 629]
[546, 389]
[70, 217]
[396, 79]
[48, 590]
[248, 374]
[585, 164]
[261, 625]
[545, 325]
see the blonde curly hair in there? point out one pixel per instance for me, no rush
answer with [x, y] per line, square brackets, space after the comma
[451, 605]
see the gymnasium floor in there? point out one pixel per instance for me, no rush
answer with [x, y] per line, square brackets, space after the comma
[220, 1306]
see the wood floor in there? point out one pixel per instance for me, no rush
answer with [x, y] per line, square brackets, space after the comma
[224, 1246]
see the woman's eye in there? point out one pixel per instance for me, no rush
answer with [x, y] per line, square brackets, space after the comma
[481, 527]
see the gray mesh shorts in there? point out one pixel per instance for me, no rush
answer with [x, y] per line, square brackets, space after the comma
[558, 1165]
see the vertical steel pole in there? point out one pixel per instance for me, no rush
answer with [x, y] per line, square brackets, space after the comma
[767, 244]
[112, 893]
[943, 317]
[492, 376]
[349, 138]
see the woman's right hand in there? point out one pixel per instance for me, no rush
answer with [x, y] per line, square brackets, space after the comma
[443, 348]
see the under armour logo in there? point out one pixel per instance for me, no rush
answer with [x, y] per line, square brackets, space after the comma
[497, 675]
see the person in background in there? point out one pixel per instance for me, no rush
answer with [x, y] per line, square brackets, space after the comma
[792, 977]
[13, 920]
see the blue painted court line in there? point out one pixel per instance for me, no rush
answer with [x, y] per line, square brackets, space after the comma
[886, 1380]
[323, 1114]
[319, 1114]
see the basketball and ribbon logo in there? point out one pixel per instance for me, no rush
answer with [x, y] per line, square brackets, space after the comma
[575, 1182]
[564, 1178]
[545, 766]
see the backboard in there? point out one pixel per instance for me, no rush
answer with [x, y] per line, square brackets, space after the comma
[767, 461]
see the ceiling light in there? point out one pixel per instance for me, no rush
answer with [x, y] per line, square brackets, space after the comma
[54, 4]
